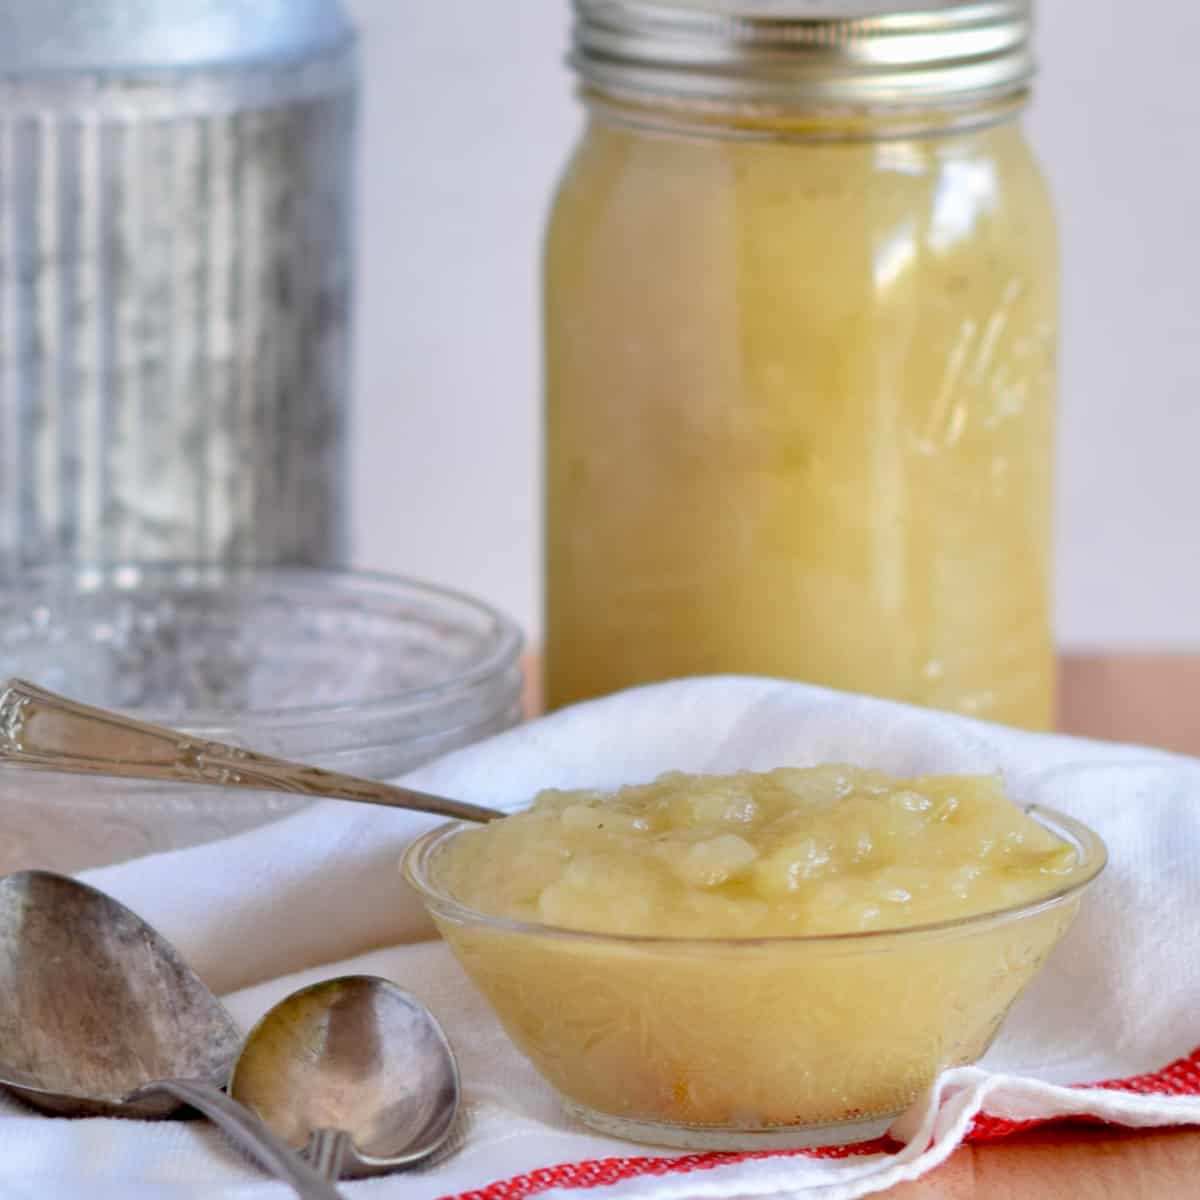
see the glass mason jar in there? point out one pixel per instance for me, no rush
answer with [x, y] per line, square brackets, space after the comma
[800, 322]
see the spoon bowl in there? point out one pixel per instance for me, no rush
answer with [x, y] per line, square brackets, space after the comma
[93, 1003]
[101, 1017]
[356, 1071]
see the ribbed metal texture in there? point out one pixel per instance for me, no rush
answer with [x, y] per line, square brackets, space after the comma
[175, 262]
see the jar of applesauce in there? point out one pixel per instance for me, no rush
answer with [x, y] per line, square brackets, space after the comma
[800, 323]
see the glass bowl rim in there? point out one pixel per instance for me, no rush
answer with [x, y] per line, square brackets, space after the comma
[505, 639]
[1091, 847]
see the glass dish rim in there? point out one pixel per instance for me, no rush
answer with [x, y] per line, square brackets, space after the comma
[1094, 858]
[506, 641]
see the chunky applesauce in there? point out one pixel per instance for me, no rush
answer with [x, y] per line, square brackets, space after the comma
[795, 851]
[799, 412]
[730, 1025]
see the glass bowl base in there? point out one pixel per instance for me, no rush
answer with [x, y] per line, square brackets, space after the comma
[702, 1137]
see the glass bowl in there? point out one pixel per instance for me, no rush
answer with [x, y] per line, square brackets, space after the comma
[350, 671]
[727, 1044]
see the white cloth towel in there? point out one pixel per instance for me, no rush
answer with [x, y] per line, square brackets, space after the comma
[319, 894]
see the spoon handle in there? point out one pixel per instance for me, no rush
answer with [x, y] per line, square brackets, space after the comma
[44, 731]
[249, 1133]
[326, 1151]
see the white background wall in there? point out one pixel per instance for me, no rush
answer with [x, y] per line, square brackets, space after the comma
[468, 119]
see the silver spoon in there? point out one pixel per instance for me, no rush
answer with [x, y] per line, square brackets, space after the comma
[99, 1016]
[355, 1071]
[44, 731]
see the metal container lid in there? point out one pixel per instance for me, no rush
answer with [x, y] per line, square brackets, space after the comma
[804, 52]
[41, 37]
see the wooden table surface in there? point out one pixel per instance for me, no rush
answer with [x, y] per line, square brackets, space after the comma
[1153, 699]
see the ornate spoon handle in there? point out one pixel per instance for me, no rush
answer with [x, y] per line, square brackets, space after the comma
[44, 731]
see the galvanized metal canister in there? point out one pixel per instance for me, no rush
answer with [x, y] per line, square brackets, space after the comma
[175, 271]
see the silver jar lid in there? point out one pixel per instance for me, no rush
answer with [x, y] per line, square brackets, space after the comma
[804, 52]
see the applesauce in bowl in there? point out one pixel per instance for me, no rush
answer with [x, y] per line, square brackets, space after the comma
[756, 960]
